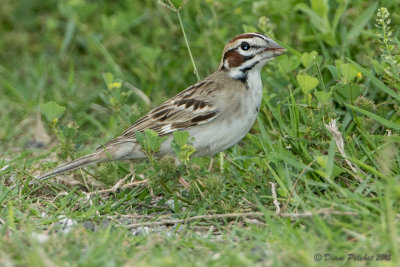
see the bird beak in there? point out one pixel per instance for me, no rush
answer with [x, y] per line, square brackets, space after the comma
[275, 48]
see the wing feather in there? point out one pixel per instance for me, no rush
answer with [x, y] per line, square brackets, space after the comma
[193, 106]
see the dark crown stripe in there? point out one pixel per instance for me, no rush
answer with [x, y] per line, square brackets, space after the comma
[247, 35]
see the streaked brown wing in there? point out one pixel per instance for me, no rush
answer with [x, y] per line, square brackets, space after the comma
[192, 106]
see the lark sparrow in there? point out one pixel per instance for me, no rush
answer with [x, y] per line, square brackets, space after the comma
[217, 111]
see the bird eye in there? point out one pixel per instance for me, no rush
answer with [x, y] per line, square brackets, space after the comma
[245, 46]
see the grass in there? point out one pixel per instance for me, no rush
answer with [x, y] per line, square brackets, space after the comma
[71, 77]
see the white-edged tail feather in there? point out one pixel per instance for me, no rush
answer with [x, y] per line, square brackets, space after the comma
[97, 157]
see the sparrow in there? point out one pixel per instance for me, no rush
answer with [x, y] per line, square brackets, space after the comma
[217, 111]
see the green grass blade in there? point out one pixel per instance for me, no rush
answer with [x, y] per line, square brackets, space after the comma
[375, 117]
[360, 23]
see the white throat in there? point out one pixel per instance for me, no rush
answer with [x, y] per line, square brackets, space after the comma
[254, 81]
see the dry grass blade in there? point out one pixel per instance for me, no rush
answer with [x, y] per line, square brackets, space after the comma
[276, 203]
[139, 93]
[337, 135]
[122, 187]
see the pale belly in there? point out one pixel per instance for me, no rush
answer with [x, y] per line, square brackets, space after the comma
[220, 137]
[229, 129]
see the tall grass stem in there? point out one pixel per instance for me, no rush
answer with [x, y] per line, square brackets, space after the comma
[188, 47]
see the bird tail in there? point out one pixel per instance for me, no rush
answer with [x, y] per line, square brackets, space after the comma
[99, 156]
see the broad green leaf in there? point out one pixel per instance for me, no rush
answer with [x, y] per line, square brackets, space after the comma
[307, 82]
[150, 135]
[349, 92]
[153, 141]
[323, 97]
[284, 65]
[52, 110]
[294, 62]
[308, 58]
[149, 140]
[287, 64]
[140, 139]
[338, 63]
[180, 137]
[181, 146]
[348, 71]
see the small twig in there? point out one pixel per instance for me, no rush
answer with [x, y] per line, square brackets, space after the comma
[276, 203]
[306, 214]
[183, 182]
[119, 184]
[58, 195]
[84, 180]
[211, 164]
[198, 188]
[124, 186]
[5, 167]
[141, 216]
[325, 212]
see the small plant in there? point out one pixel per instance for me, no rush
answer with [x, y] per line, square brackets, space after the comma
[162, 174]
[68, 136]
[182, 147]
[117, 99]
[150, 142]
[387, 44]
[109, 173]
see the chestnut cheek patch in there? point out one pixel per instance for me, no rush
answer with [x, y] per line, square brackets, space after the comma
[234, 58]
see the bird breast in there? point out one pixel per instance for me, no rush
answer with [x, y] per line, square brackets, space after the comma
[239, 111]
